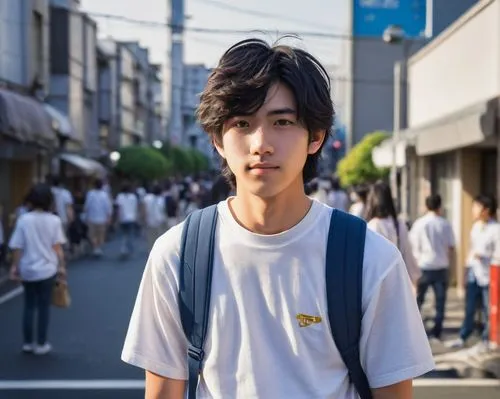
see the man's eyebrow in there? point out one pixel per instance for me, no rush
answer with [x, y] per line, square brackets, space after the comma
[282, 111]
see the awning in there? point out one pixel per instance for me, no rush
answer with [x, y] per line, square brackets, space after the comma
[60, 122]
[472, 125]
[25, 119]
[383, 154]
[88, 166]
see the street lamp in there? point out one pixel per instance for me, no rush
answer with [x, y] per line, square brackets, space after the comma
[114, 157]
[157, 144]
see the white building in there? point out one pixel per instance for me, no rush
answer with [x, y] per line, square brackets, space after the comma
[453, 135]
[195, 79]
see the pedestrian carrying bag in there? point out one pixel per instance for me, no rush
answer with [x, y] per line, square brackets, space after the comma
[344, 272]
[60, 294]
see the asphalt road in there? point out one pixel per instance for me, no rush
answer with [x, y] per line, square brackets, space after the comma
[88, 338]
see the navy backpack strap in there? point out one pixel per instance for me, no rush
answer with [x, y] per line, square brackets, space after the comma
[197, 253]
[344, 284]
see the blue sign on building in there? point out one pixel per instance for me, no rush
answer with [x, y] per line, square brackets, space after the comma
[372, 17]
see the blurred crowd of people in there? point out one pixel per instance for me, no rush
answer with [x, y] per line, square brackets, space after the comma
[428, 247]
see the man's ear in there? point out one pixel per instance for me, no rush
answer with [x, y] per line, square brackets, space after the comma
[316, 141]
[218, 147]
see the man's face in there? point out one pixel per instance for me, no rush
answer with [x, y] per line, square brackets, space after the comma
[479, 212]
[267, 150]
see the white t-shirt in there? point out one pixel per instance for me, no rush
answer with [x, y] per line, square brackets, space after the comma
[484, 242]
[431, 238]
[255, 347]
[386, 228]
[154, 207]
[127, 207]
[98, 208]
[62, 199]
[35, 234]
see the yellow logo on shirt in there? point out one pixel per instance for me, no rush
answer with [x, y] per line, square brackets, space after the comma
[306, 320]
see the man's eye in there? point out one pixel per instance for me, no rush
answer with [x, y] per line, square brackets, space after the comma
[284, 122]
[241, 124]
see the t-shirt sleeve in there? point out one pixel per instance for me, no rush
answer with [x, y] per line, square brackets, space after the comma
[155, 339]
[17, 239]
[393, 345]
[59, 237]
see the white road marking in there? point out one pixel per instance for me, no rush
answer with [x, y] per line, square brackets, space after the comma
[454, 382]
[10, 295]
[139, 384]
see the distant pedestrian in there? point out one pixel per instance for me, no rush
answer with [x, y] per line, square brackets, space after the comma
[358, 200]
[433, 245]
[484, 246]
[382, 218]
[63, 203]
[337, 197]
[155, 218]
[38, 258]
[98, 212]
[128, 217]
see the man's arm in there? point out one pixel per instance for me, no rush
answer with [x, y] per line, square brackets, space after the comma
[401, 390]
[158, 387]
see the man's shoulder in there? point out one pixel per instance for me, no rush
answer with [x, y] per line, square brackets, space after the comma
[168, 245]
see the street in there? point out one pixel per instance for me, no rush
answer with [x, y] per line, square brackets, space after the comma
[88, 338]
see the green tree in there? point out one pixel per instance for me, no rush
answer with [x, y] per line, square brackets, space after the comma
[143, 163]
[357, 167]
[185, 160]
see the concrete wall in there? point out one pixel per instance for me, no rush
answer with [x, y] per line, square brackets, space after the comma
[24, 49]
[459, 68]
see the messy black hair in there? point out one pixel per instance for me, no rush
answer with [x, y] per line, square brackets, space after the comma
[242, 79]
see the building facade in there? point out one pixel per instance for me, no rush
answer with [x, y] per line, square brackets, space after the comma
[27, 137]
[453, 118]
[195, 79]
[366, 75]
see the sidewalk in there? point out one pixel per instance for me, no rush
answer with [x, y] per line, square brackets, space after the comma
[472, 362]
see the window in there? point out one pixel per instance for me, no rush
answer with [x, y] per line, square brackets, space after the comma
[489, 172]
[37, 46]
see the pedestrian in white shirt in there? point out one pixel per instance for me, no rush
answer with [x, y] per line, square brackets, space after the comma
[484, 244]
[38, 258]
[63, 203]
[337, 198]
[155, 217]
[268, 112]
[382, 218]
[98, 211]
[128, 213]
[433, 245]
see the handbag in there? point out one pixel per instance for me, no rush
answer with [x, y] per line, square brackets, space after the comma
[60, 294]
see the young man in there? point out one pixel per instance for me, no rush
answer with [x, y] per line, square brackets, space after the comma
[433, 245]
[484, 245]
[268, 111]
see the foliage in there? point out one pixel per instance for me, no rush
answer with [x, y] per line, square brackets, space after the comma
[142, 163]
[357, 167]
[185, 160]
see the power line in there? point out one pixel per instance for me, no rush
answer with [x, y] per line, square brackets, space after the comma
[257, 13]
[218, 31]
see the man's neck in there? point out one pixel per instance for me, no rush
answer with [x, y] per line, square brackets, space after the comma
[270, 215]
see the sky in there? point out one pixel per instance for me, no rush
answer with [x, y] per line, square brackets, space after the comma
[280, 16]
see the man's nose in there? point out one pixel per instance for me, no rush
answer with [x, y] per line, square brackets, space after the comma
[260, 143]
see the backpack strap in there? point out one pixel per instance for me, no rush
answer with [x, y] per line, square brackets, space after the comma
[344, 285]
[197, 254]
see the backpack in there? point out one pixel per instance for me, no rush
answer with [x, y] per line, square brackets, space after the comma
[344, 260]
